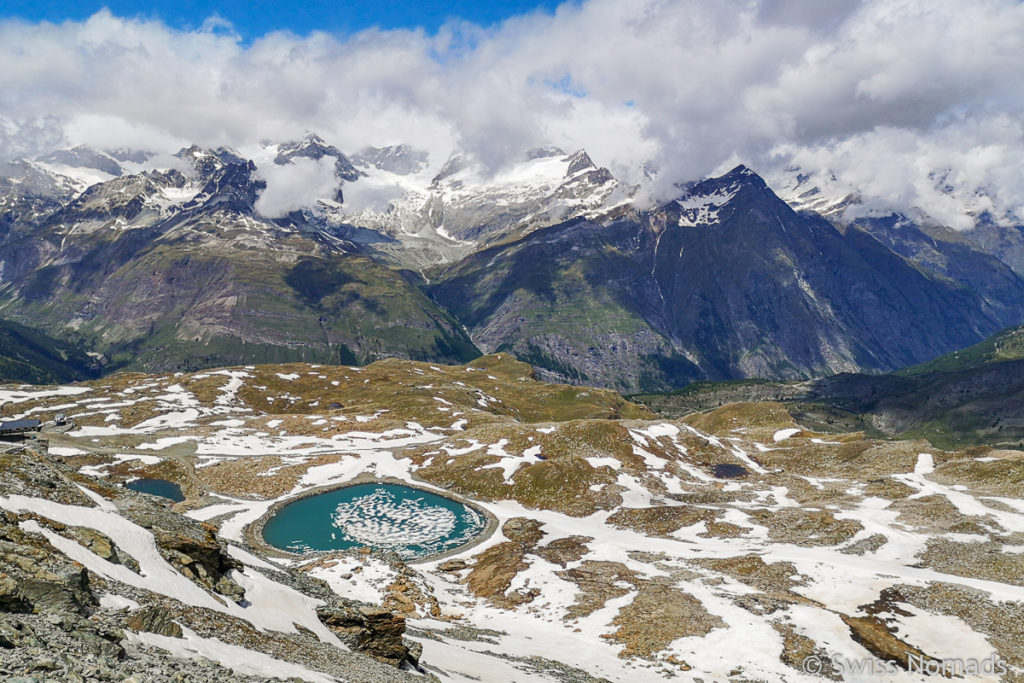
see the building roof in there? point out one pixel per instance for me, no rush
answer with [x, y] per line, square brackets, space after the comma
[19, 425]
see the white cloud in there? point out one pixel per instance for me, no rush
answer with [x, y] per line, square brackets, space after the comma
[363, 195]
[951, 172]
[881, 92]
[296, 185]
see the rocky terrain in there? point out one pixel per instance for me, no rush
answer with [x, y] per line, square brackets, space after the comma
[732, 544]
[100, 583]
[162, 269]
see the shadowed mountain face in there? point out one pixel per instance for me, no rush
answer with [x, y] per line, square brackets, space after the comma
[28, 355]
[726, 282]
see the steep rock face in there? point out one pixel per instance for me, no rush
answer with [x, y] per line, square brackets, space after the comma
[955, 256]
[726, 282]
[36, 578]
[192, 548]
[1005, 243]
[374, 630]
[764, 291]
[563, 300]
[29, 193]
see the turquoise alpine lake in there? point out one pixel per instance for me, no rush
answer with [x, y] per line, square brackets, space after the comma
[157, 487]
[411, 522]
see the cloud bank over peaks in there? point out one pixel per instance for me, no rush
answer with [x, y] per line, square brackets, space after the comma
[915, 104]
[296, 185]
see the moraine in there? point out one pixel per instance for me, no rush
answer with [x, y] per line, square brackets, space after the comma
[409, 521]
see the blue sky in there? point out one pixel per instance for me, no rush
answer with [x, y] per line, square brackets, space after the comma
[254, 18]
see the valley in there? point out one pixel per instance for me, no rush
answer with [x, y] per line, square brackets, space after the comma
[971, 397]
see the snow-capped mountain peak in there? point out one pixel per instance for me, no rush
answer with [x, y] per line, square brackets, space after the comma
[312, 146]
[820, 193]
[466, 204]
[82, 157]
[701, 203]
[400, 159]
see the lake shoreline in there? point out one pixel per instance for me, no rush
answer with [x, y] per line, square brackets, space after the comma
[254, 532]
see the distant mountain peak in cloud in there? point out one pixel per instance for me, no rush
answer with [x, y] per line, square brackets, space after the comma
[881, 94]
[401, 159]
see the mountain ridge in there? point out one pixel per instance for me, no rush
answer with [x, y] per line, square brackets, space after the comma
[726, 282]
[549, 259]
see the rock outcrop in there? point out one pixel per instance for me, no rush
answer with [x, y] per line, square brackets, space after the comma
[35, 577]
[192, 547]
[374, 630]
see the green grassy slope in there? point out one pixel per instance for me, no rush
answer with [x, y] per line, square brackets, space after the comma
[28, 355]
[1005, 346]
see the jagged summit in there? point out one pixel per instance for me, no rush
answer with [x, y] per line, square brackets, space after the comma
[84, 157]
[580, 161]
[208, 161]
[398, 159]
[701, 203]
[312, 146]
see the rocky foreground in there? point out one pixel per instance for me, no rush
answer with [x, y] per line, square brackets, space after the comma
[100, 583]
[730, 545]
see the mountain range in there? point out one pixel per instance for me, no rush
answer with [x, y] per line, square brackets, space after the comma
[176, 263]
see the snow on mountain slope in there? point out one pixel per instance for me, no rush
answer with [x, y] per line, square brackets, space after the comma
[82, 177]
[940, 199]
[391, 200]
[700, 205]
[824, 195]
[464, 206]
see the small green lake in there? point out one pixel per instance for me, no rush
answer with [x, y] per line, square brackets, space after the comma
[157, 487]
[411, 522]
